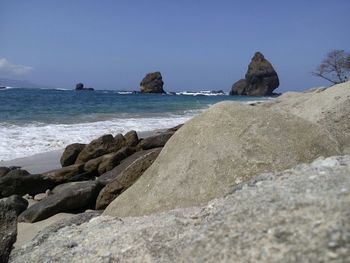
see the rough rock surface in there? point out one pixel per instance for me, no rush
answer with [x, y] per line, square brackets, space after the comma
[16, 202]
[126, 178]
[103, 145]
[108, 164]
[155, 141]
[20, 182]
[152, 83]
[116, 171]
[71, 153]
[261, 78]
[64, 174]
[329, 108]
[225, 145]
[299, 215]
[77, 195]
[131, 138]
[4, 171]
[8, 229]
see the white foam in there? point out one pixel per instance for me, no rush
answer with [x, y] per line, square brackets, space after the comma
[124, 92]
[21, 141]
[200, 93]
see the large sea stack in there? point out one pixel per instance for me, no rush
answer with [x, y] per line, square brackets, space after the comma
[261, 79]
[152, 83]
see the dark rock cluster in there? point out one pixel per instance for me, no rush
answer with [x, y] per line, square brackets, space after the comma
[80, 86]
[92, 176]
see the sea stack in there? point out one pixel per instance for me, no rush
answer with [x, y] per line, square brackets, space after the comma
[152, 83]
[261, 79]
[80, 86]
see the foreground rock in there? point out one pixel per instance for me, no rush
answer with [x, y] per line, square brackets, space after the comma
[71, 153]
[107, 162]
[126, 178]
[152, 83]
[20, 182]
[329, 108]
[300, 215]
[77, 195]
[4, 171]
[260, 80]
[65, 174]
[223, 146]
[155, 141]
[9, 209]
[116, 171]
[49, 226]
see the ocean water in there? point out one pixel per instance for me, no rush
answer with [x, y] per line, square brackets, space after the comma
[38, 120]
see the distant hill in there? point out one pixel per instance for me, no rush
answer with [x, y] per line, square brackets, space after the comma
[20, 84]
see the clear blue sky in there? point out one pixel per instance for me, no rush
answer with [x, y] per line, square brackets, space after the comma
[197, 45]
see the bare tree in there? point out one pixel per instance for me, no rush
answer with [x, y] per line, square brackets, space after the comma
[335, 67]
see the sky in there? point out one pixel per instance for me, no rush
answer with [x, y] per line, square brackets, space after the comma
[196, 45]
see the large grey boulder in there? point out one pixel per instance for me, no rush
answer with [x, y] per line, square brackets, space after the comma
[77, 195]
[71, 153]
[299, 215]
[152, 83]
[223, 146]
[126, 178]
[20, 182]
[329, 108]
[261, 78]
[103, 145]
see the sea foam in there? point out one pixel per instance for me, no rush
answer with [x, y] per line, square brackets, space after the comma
[25, 140]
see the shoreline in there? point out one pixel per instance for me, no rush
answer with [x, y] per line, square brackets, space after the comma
[50, 160]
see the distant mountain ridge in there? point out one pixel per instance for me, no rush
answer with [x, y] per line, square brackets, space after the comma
[20, 83]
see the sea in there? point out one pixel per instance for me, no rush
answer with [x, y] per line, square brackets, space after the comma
[40, 120]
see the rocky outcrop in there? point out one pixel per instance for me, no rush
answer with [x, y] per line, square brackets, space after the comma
[20, 182]
[225, 145]
[299, 215]
[71, 153]
[80, 86]
[70, 197]
[260, 80]
[103, 145]
[126, 178]
[152, 83]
